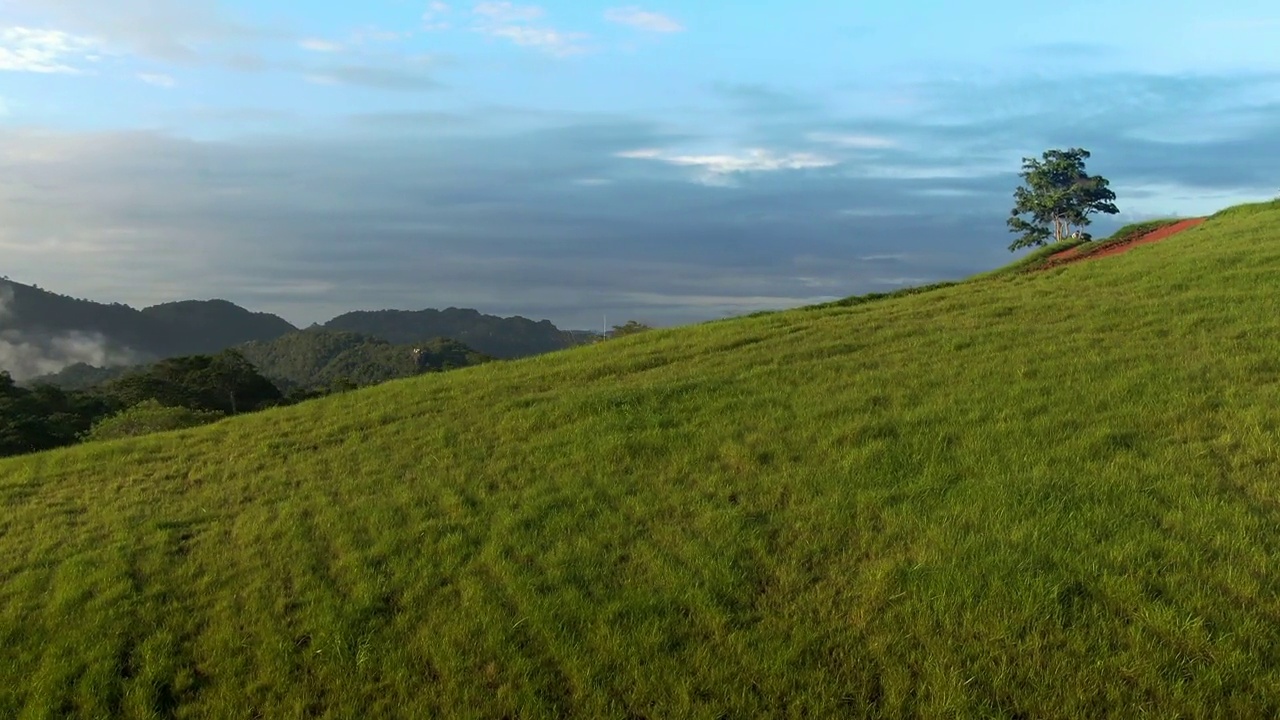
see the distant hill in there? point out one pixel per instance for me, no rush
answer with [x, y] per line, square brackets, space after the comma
[505, 338]
[43, 332]
[319, 358]
[306, 359]
[71, 342]
[209, 326]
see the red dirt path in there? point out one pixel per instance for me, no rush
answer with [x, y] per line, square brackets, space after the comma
[1074, 254]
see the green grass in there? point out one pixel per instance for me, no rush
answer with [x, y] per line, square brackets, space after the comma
[1128, 233]
[1035, 495]
[1037, 258]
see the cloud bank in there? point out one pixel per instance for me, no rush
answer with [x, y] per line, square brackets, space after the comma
[643, 20]
[33, 50]
[571, 216]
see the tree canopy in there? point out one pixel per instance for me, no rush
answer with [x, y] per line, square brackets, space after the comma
[632, 327]
[225, 382]
[1057, 195]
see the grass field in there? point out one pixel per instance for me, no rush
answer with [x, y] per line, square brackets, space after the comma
[1038, 495]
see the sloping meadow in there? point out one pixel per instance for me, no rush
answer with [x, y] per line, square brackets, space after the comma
[1038, 495]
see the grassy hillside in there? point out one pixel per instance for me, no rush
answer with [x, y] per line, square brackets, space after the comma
[1037, 495]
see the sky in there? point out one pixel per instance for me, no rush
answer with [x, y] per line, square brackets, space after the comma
[669, 162]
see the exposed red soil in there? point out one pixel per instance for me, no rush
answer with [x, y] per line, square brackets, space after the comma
[1075, 254]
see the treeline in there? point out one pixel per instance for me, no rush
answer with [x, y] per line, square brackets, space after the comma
[201, 387]
[318, 358]
[193, 390]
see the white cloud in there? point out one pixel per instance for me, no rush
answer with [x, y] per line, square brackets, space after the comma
[158, 79]
[593, 182]
[506, 12]
[860, 142]
[321, 46]
[433, 18]
[750, 161]
[171, 30]
[643, 20]
[44, 51]
[25, 356]
[552, 41]
[512, 22]
[642, 154]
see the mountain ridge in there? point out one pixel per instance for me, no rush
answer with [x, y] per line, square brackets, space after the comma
[43, 332]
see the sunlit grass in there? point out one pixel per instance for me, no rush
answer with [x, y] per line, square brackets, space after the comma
[1035, 495]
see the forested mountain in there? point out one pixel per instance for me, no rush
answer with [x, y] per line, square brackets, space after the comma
[43, 332]
[316, 358]
[209, 326]
[505, 338]
[76, 344]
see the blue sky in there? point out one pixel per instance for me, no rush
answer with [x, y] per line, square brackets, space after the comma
[668, 162]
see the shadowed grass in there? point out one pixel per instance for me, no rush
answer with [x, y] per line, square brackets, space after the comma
[1038, 495]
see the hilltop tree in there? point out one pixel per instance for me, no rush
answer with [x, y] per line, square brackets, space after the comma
[632, 327]
[1057, 195]
[226, 383]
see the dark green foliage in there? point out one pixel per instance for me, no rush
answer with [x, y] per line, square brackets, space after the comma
[45, 417]
[225, 382]
[82, 376]
[1058, 195]
[631, 327]
[195, 388]
[317, 358]
[504, 338]
[574, 338]
[209, 326]
[149, 417]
